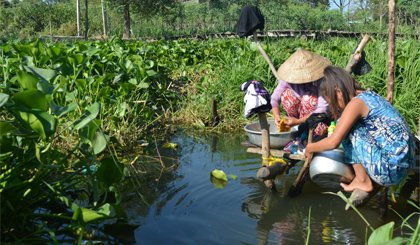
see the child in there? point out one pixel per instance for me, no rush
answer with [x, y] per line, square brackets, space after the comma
[376, 139]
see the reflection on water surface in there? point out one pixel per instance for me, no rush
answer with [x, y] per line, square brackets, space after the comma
[184, 207]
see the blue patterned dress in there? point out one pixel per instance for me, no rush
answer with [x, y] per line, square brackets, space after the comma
[381, 141]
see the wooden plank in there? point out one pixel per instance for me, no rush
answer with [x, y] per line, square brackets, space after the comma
[278, 153]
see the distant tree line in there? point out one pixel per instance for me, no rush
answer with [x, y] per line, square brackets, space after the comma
[160, 18]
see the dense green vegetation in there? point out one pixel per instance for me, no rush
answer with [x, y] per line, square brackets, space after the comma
[163, 18]
[70, 110]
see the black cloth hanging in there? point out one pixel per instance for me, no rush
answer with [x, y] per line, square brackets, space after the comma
[249, 20]
[363, 67]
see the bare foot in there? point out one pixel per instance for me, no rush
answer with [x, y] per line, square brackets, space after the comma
[358, 183]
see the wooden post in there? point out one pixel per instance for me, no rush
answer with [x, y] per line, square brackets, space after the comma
[104, 19]
[50, 21]
[86, 19]
[78, 17]
[265, 135]
[391, 53]
[357, 56]
[265, 145]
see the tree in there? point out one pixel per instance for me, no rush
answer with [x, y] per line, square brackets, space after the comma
[316, 3]
[146, 9]
[4, 4]
[341, 4]
[382, 10]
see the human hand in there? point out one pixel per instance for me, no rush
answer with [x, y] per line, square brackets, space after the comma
[308, 153]
[291, 122]
[277, 120]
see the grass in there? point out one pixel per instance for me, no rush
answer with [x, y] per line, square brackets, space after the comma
[234, 61]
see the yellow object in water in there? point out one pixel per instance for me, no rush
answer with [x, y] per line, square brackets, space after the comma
[281, 126]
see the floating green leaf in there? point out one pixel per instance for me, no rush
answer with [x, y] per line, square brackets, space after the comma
[170, 145]
[234, 177]
[219, 174]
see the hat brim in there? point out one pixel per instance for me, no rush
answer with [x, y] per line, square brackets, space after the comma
[303, 66]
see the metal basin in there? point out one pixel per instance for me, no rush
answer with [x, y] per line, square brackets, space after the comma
[278, 140]
[327, 169]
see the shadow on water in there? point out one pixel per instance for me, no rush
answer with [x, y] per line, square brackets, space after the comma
[184, 207]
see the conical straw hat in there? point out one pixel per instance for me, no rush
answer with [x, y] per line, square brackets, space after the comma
[303, 67]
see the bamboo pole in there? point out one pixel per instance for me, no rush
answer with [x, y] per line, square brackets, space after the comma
[391, 53]
[264, 54]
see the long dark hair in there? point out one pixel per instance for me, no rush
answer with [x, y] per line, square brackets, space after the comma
[337, 77]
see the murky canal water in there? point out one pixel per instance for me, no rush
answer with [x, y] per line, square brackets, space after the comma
[188, 209]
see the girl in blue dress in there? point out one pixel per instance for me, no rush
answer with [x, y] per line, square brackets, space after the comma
[376, 139]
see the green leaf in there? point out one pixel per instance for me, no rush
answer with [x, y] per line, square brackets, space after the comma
[42, 123]
[75, 59]
[99, 142]
[398, 241]
[27, 80]
[219, 174]
[401, 61]
[151, 73]
[22, 49]
[54, 52]
[81, 84]
[6, 127]
[3, 98]
[104, 92]
[44, 60]
[46, 87]
[170, 145]
[254, 47]
[87, 133]
[93, 51]
[84, 216]
[121, 109]
[127, 87]
[44, 74]
[382, 234]
[58, 110]
[32, 99]
[87, 116]
[109, 171]
[234, 177]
